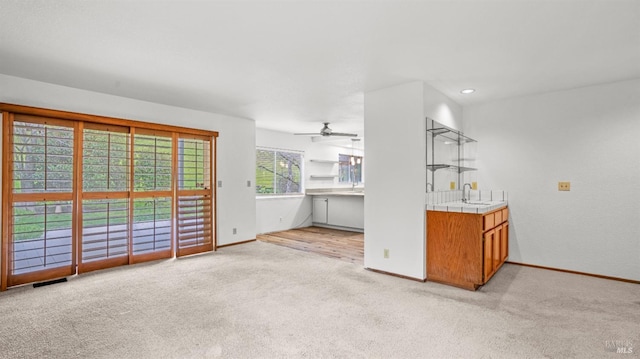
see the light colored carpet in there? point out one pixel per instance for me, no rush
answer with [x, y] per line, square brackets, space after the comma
[262, 300]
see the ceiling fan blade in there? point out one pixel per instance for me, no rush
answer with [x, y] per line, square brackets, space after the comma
[327, 132]
[343, 134]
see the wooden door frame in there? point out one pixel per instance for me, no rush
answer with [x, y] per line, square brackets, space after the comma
[7, 163]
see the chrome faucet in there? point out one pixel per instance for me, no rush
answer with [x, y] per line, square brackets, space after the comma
[465, 199]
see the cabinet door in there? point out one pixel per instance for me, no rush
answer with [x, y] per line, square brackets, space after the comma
[346, 211]
[489, 238]
[504, 242]
[497, 247]
[320, 208]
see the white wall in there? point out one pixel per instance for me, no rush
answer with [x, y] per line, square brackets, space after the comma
[394, 208]
[395, 129]
[589, 136]
[236, 166]
[235, 145]
[279, 213]
[439, 107]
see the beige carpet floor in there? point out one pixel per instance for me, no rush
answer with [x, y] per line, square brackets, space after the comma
[259, 300]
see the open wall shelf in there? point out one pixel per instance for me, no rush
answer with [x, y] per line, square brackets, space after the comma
[458, 169]
[322, 176]
[448, 135]
[450, 150]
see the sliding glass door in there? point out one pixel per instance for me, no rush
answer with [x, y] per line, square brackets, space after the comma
[152, 198]
[104, 191]
[81, 195]
[195, 197]
[41, 239]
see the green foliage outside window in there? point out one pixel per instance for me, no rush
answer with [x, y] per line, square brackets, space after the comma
[278, 172]
[43, 158]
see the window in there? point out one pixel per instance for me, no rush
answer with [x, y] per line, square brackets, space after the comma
[350, 168]
[278, 172]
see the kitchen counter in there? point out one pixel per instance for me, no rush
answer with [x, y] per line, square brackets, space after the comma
[359, 192]
[478, 207]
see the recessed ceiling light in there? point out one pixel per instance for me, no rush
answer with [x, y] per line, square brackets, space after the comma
[467, 91]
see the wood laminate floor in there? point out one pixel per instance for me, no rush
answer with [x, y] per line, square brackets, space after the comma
[343, 245]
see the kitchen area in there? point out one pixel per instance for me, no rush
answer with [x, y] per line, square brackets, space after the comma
[466, 231]
[340, 207]
[466, 228]
[333, 187]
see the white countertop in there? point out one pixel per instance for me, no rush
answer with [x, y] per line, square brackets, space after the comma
[477, 207]
[358, 192]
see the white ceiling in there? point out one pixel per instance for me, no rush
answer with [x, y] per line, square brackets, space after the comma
[292, 65]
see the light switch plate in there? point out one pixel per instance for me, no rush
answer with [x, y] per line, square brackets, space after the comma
[474, 186]
[452, 185]
[564, 186]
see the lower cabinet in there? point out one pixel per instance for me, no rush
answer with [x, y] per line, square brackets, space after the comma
[320, 210]
[489, 240]
[341, 212]
[466, 250]
[496, 249]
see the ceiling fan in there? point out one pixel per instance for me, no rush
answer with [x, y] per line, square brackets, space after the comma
[326, 131]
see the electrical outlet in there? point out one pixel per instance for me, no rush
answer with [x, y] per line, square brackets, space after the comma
[386, 253]
[452, 185]
[235, 231]
[564, 186]
[280, 219]
[219, 183]
[248, 183]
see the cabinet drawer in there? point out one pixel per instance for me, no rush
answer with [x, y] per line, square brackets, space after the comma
[505, 214]
[489, 221]
[498, 217]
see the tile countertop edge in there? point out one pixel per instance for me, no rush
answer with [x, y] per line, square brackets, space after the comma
[461, 208]
[335, 193]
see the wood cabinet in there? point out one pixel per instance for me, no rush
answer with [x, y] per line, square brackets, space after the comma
[465, 249]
